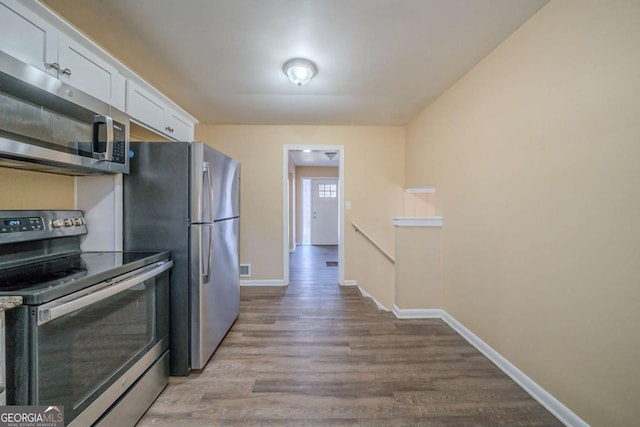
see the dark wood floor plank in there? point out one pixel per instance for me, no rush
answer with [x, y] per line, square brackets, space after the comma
[317, 354]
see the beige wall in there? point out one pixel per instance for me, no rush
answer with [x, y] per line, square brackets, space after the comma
[419, 204]
[374, 168]
[308, 172]
[35, 190]
[417, 271]
[534, 154]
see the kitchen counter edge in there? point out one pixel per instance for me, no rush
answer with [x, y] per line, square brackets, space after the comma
[7, 303]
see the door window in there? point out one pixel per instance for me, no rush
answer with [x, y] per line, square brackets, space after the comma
[327, 191]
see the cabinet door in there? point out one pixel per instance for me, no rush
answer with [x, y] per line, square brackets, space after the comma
[27, 37]
[84, 70]
[145, 108]
[178, 127]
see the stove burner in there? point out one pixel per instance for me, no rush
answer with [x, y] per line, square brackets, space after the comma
[38, 282]
[53, 272]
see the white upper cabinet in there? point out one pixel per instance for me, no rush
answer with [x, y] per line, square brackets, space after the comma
[28, 37]
[31, 39]
[36, 36]
[86, 71]
[179, 127]
[147, 109]
[144, 107]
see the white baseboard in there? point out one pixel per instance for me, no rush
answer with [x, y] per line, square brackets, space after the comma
[349, 283]
[429, 313]
[553, 405]
[276, 282]
[366, 295]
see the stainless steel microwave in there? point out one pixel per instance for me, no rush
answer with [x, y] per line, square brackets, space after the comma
[49, 126]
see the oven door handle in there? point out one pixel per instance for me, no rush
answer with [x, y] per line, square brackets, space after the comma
[53, 310]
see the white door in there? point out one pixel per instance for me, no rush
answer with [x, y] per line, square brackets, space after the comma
[324, 211]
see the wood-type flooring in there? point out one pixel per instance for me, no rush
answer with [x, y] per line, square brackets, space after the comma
[318, 354]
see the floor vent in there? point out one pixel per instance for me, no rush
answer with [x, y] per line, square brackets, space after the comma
[245, 270]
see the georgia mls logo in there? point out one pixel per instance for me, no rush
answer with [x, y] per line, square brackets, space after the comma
[55, 412]
[31, 416]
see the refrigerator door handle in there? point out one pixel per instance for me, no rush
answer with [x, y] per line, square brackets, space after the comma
[212, 207]
[206, 182]
[201, 241]
[210, 257]
[205, 257]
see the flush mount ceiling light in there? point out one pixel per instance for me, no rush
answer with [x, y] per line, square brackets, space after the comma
[300, 71]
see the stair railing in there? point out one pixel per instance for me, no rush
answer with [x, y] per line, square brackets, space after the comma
[373, 242]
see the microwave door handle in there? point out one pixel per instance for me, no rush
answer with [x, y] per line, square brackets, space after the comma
[107, 155]
[54, 310]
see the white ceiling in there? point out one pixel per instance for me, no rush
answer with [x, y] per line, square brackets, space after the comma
[380, 62]
[313, 158]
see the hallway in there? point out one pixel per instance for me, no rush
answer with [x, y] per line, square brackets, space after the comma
[314, 264]
[318, 354]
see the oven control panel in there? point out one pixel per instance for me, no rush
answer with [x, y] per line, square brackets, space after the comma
[21, 226]
[15, 225]
[67, 222]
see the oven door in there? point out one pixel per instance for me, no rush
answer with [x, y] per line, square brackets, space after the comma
[84, 343]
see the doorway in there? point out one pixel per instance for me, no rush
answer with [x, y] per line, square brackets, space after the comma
[320, 175]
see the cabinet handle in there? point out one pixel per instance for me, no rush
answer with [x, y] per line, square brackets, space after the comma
[169, 129]
[53, 65]
[57, 67]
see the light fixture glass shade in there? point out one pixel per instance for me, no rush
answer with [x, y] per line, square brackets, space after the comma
[300, 71]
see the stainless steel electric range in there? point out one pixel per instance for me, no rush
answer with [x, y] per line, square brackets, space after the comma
[92, 333]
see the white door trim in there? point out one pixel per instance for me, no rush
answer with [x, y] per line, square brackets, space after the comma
[285, 206]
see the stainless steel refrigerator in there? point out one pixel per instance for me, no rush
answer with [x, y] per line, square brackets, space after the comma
[185, 197]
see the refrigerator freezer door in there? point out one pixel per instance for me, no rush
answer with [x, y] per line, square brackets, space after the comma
[215, 302]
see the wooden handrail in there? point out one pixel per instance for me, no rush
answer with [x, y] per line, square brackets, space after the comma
[373, 242]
